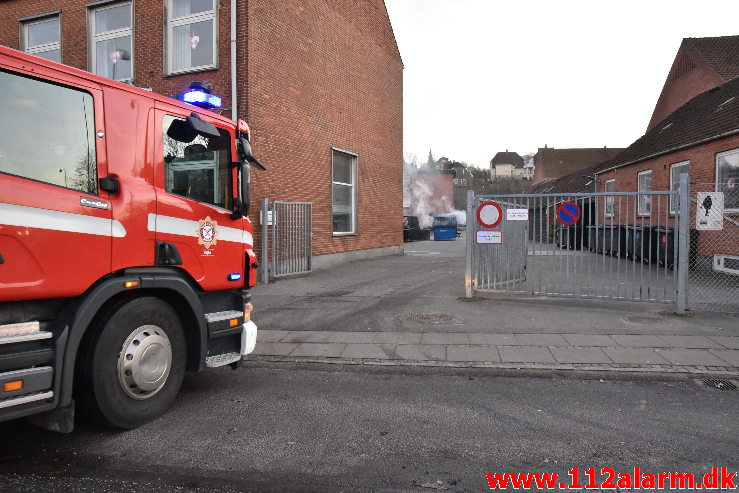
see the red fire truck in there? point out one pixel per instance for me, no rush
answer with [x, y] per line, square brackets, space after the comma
[125, 247]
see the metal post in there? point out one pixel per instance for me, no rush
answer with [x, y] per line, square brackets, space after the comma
[470, 231]
[683, 243]
[264, 264]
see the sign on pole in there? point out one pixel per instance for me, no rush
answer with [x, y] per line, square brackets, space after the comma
[710, 213]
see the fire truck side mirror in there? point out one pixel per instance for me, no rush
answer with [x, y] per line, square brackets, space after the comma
[246, 155]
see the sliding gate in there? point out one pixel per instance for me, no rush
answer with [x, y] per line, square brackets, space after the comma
[612, 246]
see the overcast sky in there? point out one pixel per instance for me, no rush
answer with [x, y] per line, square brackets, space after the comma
[483, 76]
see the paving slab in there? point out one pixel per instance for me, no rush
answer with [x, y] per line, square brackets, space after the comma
[643, 341]
[639, 356]
[690, 342]
[445, 338]
[695, 357]
[731, 356]
[727, 341]
[493, 339]
[352, 337]
[540, 340]
[420, 352]
[579, 355]
[368, 351]
[319, 350]
[472, 353]
[589, 340]
[271, 335]
[398, 337]
[274, 348]
[307, 336]
[525, 354]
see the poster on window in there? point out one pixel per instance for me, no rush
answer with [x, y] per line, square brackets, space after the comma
[709, 214]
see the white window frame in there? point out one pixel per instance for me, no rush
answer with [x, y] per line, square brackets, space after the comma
[190, 19]
[673, 167]
[641, 210]
[355, 158]
[718, 186]
[39, 50]
[118, 33]
[609, 200]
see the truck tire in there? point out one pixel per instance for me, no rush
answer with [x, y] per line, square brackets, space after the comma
[131, 367]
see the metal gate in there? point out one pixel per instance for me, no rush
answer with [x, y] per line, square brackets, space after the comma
[291, 224]
[613, 246]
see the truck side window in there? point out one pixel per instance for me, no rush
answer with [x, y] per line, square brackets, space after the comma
[47, 133]
[199, 169]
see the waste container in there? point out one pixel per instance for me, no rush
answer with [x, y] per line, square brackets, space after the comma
[607, 239]
[445, 227]
[639, 243]
[663, 246]
[412, 231]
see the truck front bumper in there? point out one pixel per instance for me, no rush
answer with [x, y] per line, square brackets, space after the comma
[248, 338]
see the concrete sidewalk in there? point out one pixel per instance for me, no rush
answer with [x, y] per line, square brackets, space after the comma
[649, 353]
[411, 309]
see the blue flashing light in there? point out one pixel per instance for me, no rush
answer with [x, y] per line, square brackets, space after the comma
[234, 277]
[201, 98]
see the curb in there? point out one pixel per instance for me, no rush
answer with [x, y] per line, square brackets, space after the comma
[669, 369]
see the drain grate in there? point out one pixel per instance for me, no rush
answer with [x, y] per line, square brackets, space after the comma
[425, 318]
[717, 383]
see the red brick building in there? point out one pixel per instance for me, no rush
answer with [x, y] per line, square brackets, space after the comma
[700, 64]
[319, 81]
[432, 193]
[551, 164]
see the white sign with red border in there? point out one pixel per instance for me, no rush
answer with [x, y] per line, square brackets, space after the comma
[517, 214]
[489, 214]
[490, 237]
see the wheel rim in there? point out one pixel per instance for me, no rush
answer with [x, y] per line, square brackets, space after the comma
[144, 362]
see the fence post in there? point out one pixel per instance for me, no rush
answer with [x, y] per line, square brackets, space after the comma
[264, 264]
[683, 246]
[469, 232]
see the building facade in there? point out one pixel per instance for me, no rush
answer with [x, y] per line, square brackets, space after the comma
[318, 81]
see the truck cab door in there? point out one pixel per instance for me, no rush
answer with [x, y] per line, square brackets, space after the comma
[55, 222]
[195, 184]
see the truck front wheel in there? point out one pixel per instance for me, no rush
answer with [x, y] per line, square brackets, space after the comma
[131, 367]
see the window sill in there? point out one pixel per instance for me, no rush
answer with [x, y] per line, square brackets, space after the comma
[210, 68]
[338, 235]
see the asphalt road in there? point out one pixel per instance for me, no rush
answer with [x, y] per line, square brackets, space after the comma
[283, 427]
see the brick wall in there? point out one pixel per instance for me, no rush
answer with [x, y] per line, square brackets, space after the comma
[326, 74]
[432, 193]
[313, 74]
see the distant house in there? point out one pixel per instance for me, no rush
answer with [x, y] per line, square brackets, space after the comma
[506, 165]
[700, 64]
[551, 163]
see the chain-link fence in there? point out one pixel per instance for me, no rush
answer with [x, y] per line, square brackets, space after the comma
[714, 247]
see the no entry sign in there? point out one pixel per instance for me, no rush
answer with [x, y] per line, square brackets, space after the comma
[568, 213]
[489, 214]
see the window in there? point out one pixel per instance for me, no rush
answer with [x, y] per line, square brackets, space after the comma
[51, 135]
[344, 192]
[111, 52]
[610, 186]
[644, 183]
[199, 169]
[191, 35]
[42, 38]
[727, 178]
[675, 171]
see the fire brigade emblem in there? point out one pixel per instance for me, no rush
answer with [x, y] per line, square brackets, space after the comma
[207, 232]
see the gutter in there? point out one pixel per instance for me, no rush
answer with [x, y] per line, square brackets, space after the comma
[672, 149]
[234, 92]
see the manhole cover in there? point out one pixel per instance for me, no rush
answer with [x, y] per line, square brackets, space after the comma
[642, 319]
[425, 318]
[718, 383]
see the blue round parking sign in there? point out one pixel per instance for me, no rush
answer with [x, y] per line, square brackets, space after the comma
[568, 213]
